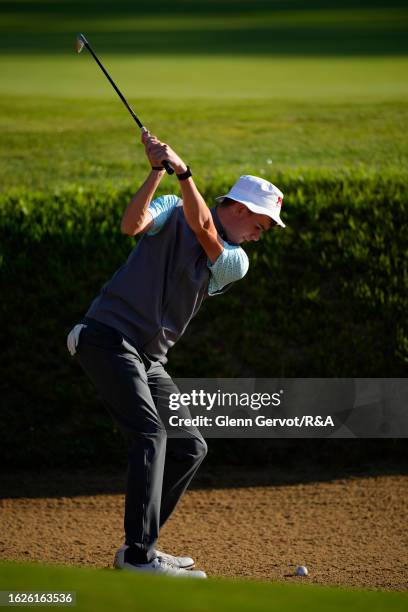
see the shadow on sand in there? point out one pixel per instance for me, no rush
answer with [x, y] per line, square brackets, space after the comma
[299, 465]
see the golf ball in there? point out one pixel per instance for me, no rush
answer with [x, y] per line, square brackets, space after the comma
[301, 570]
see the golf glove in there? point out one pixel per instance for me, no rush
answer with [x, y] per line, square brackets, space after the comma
[73, 338]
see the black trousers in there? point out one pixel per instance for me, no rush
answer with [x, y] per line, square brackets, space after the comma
[161, 464]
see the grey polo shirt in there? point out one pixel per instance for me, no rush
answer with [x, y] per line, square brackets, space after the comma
[155, 294]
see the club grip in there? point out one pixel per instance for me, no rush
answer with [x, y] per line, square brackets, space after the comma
[169, 168]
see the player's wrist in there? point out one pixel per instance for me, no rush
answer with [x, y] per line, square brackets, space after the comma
[180, 167]
[185, 174]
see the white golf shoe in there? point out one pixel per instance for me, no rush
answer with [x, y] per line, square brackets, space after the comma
[163, 568]
[182, 562]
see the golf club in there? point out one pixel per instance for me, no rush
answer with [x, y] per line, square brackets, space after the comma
[82, 42]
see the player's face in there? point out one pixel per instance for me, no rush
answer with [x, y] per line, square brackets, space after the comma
[249, 226]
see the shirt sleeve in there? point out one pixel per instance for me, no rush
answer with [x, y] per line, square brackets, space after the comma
[231, 265]
[161, 209]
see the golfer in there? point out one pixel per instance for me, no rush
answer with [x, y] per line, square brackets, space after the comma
[187, 253]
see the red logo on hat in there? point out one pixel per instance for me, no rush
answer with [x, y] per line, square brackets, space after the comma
[279, 201]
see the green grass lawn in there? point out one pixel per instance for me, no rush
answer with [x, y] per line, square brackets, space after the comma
[53, 142]
[102, 590]
[236, 87]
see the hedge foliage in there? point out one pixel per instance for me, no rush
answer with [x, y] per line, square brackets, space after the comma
[326, 297]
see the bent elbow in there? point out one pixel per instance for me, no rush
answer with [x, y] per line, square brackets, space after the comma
[202, 225]
[199, 231]
[205, 228]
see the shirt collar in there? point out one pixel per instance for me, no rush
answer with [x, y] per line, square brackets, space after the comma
[220, 228]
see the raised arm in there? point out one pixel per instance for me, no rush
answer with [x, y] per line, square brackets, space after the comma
[136, 217]
[196, 211]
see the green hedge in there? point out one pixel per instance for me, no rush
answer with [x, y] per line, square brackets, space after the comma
[325, 297]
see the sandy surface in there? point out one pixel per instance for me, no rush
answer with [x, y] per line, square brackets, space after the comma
[350, 531]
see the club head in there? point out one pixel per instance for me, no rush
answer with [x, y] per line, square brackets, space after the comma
[80, 43]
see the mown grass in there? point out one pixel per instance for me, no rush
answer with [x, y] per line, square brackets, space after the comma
[108, 589]
[51, 143]
[236, 87]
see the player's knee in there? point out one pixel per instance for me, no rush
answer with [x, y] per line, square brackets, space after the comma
[199, 448]
[203, 448]
[191, 450]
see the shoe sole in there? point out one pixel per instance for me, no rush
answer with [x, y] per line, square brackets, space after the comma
[128, 568]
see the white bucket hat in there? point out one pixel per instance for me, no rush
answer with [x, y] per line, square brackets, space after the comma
[259, 195]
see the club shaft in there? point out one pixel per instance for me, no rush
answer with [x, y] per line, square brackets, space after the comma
[169, 169]
[106, 73]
